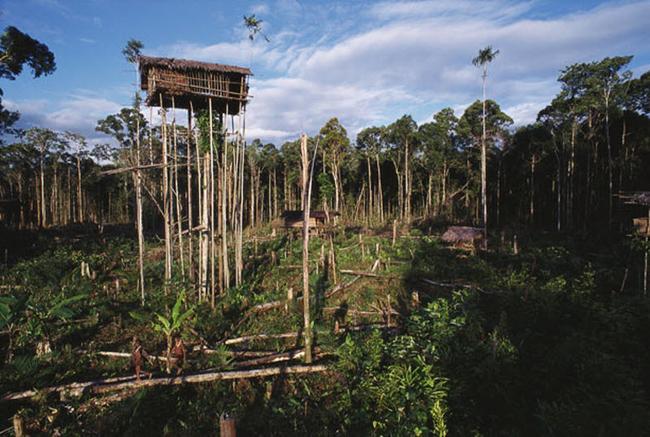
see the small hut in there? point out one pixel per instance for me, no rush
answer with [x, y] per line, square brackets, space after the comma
[641, 225]
[317, 219]
[639, 199]
[463, 237]
[194, 82]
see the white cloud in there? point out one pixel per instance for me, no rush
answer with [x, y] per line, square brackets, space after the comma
[260, 8]
[78, 113]
[377, 74]
[370, 64]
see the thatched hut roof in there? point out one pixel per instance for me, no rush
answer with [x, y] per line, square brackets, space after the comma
[183, 84]
[187, 65]
[462, 234]
[299, 214]
[636, 198]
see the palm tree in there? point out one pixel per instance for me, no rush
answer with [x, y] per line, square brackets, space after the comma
[485, 56]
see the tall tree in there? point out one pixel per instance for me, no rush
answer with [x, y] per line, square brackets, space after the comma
[43, 140]
[336, 146]
[16, 50]
[78, 144]
[606, 81]
[369, 141]
[473, 126]
[484, 58]
[403, 135]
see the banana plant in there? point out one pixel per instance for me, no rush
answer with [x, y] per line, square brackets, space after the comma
[172, 324]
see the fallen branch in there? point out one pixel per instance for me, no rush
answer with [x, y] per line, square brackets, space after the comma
[234, 354]
[292, 335]
[357, 312]
[341, 286]
[249, 338]
[452, 285]
[125, 383]
[368, 274]
[276, 358]
[72, 387]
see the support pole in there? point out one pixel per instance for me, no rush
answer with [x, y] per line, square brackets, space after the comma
[166, 197]
[212, 285]
[190, 254]
[224, 206]
[179, 212]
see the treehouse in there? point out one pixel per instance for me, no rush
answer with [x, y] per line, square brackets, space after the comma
[187, 84]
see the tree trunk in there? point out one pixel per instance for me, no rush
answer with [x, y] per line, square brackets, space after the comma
[484, 162]
[380, 190]
[138, 212]
[43, 219]
[609, 165]
[305, 247]
[407, 182]
[80, 214]
[190, 252]
[166, 197]
[224, 206]
[531, 212]
[179, 206]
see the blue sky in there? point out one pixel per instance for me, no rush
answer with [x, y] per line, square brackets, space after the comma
[364, 62]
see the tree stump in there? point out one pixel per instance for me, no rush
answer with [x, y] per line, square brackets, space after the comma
[19, 425]
[227, 426]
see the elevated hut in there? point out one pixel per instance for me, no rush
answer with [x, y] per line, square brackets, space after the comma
[222, 90]
[193, 83]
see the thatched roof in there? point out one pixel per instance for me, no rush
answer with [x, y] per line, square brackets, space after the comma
[146, 62]
[636, 198]
[457, 234]
[183, 84]
[292, 215]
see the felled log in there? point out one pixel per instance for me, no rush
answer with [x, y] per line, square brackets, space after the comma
[255, 337]
[341, 286]
[368, 274]
[72, 387]
[452, 285]
[128, 383]
[357, 312]
[276, 358]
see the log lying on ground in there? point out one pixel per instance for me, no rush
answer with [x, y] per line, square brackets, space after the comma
[292, 335]
[255, 337]
[452, 285]
[127, 383]
[234, 354]
[72, 387]
[279, 357]
[356, 312]
[341, 286]
[237, 354]
[368, 274]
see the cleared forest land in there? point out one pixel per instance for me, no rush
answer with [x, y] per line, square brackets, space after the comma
[408, 336]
